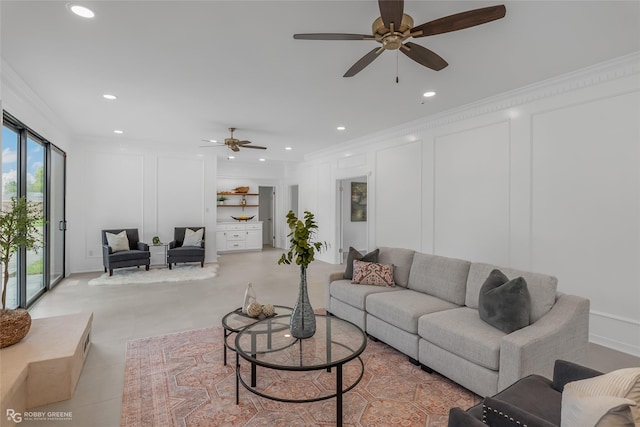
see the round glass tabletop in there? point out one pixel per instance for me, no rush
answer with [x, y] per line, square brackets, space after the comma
[269, 343]
[236, 320]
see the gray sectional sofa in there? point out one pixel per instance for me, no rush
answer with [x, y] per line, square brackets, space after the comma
[431, 315]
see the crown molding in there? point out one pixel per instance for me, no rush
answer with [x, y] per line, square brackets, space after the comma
[608, 71]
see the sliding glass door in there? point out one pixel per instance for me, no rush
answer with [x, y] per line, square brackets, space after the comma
[34, 168]
[57, 223]
[9, 165]
[35, 185]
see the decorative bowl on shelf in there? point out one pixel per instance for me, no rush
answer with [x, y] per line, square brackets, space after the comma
[242, 217]
[241, 190]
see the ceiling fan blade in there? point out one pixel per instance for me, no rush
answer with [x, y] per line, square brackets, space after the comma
[212, 146]
[254, 146]
[332, 36]
[460, 21]
[423, 56]
[363, 62]
[391, 11]
[243, 142]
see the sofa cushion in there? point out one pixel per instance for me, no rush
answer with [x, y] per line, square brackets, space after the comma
[118, 242]
[542, 287]
[371, 273]
[505, 304]
[460, 331]
[355, 255]
[442, 277]
[402, 309]
[190, 251]
[355, 295]
[401, 260]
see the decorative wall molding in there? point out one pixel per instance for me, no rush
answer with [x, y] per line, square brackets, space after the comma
[625, 66]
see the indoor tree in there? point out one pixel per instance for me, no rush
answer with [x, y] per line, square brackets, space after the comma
[18, 228]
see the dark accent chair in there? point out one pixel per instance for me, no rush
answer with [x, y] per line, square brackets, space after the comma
[534, 400]
[137, 255]
[178, 253]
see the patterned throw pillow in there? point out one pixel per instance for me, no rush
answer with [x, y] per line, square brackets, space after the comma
[371, 273]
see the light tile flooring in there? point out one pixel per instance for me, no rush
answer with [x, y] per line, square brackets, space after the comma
[126, 312]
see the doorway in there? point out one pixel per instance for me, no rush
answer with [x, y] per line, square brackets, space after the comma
[353, 210]
[266, 213]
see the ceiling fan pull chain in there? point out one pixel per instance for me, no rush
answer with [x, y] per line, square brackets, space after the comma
[397, 77]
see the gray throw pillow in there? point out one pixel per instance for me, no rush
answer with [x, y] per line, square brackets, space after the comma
[354, 255]
[505, 304]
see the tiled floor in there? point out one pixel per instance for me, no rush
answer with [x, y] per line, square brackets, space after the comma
[125, 312]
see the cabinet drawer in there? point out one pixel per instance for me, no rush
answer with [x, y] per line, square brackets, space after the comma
[230, 227]
[236, 235]
[254, 226]
[231, 245]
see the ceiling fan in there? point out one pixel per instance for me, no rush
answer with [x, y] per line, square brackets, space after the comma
[394, 27]
[235, 144]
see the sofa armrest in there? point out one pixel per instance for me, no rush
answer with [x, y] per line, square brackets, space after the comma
[331, 277]
[143, 246]
[562, 333]
[173, 244]
[460, 418]
[565, 372]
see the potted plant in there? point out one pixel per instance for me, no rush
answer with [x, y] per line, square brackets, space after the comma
[18, 228]
[302, 250]
[221, 200]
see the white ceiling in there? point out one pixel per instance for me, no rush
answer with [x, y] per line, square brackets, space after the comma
[187, 70]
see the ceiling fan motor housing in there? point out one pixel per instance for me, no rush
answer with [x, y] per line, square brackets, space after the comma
[392, 40]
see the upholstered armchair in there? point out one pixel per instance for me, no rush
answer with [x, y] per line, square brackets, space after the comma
[123, 248]
[187, 246]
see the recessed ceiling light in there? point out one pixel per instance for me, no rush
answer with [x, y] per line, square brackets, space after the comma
[81, 10]
[262, 160]
[109, 97]
[429, 94]
[341, 128]
[288, 148]
[118, 131]
[231, 157]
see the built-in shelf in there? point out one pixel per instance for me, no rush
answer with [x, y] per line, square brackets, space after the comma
[234, 202]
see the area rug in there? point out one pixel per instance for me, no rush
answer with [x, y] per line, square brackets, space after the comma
[179, 273]
[180, 380]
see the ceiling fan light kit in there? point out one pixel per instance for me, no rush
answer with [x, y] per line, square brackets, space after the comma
[393, 28]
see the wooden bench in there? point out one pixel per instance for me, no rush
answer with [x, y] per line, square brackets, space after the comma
[45, 366]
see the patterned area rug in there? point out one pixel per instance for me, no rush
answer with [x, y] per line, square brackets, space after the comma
[179, 273]
[180, 380]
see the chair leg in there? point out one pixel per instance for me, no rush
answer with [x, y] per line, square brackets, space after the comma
[169, 266]
[146, 267]
[105, 269]
[201, 264]
[111, 272]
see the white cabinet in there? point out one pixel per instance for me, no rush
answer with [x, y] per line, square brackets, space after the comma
[239, 236]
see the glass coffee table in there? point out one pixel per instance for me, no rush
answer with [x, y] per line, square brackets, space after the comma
[268, 344]
[235, 321]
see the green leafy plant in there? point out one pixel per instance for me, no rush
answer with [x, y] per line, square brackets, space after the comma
[302, 248]
[18, 228]
[221, 198]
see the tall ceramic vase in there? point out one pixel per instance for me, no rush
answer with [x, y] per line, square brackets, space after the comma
[303, 320]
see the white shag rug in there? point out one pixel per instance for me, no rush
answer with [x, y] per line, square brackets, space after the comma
[179, 273]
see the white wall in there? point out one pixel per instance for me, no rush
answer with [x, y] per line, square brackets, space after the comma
[139, 185]
[546, 178]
